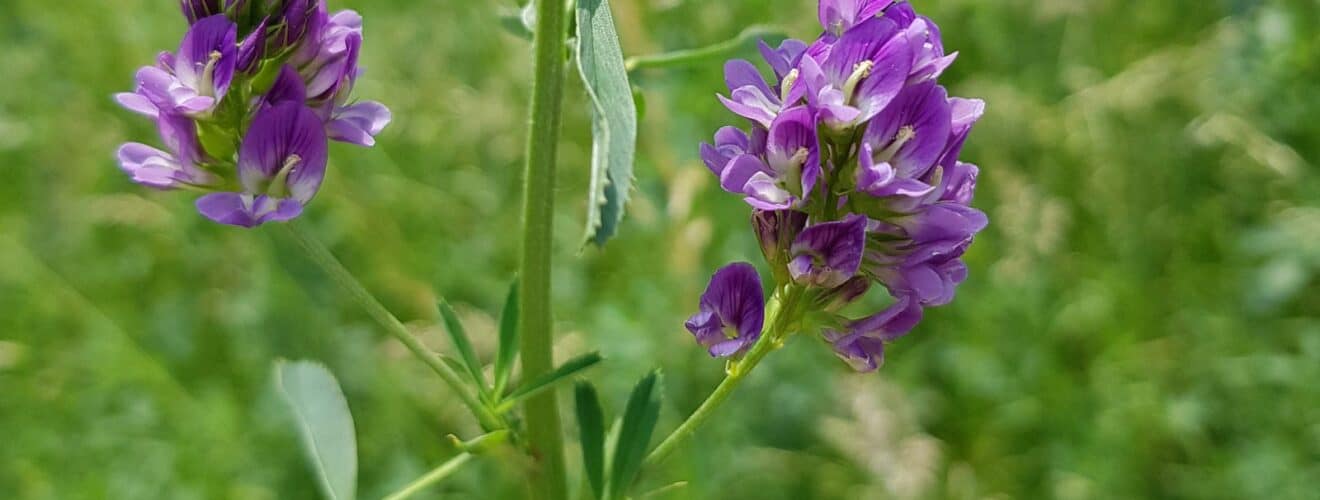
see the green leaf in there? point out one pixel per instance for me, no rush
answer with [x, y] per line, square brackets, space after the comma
[613, 119]
[635, 433]
[459, 336]
[324, 424]
[591, 421]
[549, 380]
[508, 351]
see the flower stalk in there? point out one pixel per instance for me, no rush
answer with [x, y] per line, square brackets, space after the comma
[784, 307]
[321, 256]
[544, 432]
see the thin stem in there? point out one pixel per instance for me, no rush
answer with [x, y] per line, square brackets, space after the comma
[544, 433]
[340, 275]
[692, 56]
[784, 305]
[441, 472]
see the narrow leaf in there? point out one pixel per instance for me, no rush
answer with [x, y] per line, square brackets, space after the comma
[591, 421]
[635, 433]
[459, 336]
[549, 380]
[613, 119]
[325, 425]
[508, 339]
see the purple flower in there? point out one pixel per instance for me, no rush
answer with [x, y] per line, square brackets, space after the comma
[330, 52]
[910, 134]
[786, 173]
[252, 50]
[752, 98]
[784, 59]
[179, 167]
[193, 80]
[837, 16]
[859, 74]
[732, 311]
[281, 164]
[296, 19]
[826, 255]
[862, 345]
[730, 143]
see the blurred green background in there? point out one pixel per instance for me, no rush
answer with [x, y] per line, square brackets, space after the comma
[1141, 319]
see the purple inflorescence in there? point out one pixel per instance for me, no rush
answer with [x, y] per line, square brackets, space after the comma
[247, 104]
[850, 164]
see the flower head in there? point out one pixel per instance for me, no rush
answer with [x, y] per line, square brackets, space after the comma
[853, 149]
[732, 311]
[268, 83]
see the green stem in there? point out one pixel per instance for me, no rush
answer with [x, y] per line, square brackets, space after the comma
[441, 472]
[783, 308]
[691, 56]
[544, 433]
[340, 275]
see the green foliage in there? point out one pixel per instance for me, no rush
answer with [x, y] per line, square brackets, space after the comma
[323, 423]
[591, 435]
[613, 119]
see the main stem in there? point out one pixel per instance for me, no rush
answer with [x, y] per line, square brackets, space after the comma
[785, 302]
[535, 319]
[340, 275]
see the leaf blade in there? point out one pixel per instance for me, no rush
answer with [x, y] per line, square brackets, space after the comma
[639, 421]
[325, 425]
[614, 119]
[508, 350]
[549, 380]
[591, 422]
[458, 335]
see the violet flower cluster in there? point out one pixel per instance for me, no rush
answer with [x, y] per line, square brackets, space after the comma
[247, 105]
[851, 166]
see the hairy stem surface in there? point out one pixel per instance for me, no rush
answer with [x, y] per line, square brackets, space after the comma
[544, 432]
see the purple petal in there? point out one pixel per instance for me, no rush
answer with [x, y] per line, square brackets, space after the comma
[888, 75]
[740, 73]
[148, 166]
[913, 130]
[739, 171]
[137, 103]
[944, 221]
[828, 254]
[783, 59]
[732, 311]
[359, 123]
[213, 35]
[288, 87]
[892, 322]
[288, 135]
[246, 210]
[253, 48]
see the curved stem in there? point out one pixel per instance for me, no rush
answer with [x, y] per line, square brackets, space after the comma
[441, 472]
[340, 275]
[693, 56]
[783, 307]
[544, 433]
